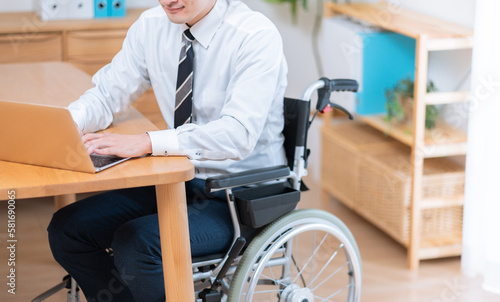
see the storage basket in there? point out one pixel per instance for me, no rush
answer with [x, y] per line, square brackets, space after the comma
[441, 226]
[260, 205]
[342, 147]
[383, 195]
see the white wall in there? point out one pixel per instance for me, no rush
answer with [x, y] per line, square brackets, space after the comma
[460, 12]
[296, 40]
[14, 6]
[28, 5]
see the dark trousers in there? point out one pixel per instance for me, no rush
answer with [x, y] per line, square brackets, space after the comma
[81, 235]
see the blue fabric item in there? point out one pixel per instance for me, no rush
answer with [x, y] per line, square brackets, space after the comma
[126, 221]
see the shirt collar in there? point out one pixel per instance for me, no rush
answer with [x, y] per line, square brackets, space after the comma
[205, 29]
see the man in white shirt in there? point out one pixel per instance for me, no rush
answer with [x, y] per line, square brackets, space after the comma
[238, 83]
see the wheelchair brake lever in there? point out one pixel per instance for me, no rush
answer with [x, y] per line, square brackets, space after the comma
[332, 106]
[212, 294]
[233, 253]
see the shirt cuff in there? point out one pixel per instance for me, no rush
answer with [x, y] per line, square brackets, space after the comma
[164, 142]
[78, 115]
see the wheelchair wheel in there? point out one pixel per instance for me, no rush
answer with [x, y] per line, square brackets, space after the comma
[304, 256]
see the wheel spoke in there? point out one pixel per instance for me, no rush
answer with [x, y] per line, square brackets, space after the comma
[312, 266]
[264, 291]
[310, 258]
[326, 279]
[298, 271]
[274, 278]
[318, 298]
[328, 262]
[277, 282]
[336, 293]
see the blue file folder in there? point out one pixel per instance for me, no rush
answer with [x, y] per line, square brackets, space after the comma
[116, 8]
[387, 58]
[100, 9]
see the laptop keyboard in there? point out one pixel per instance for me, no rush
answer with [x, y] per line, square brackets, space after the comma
[100, 161]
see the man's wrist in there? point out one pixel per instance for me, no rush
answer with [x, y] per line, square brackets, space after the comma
[148, 144]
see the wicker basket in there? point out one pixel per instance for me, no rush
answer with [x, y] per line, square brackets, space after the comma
[384, 195]
[342, 147]
[371, 174]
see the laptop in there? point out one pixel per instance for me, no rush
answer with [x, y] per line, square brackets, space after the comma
[46, 136]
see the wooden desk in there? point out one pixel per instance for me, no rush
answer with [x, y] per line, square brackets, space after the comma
[60, 83]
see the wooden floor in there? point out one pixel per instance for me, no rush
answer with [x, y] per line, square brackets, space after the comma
[386, 277]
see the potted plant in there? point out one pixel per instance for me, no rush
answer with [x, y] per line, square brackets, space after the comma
[399, 104]
[294, 5]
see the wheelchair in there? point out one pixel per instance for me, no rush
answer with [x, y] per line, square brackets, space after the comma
[293, 255]
[278, 253]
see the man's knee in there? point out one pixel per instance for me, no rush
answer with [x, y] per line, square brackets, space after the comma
[124, 241]
[59, 227]
[136, 241]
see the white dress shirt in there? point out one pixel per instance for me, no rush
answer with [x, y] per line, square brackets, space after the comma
[238, 87]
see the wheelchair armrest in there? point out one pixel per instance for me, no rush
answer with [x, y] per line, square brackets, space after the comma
[246, 177]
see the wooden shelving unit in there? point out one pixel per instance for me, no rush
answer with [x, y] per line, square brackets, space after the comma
[431, 34]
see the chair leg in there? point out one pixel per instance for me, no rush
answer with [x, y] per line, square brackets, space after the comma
[74, 293]
[67, 283]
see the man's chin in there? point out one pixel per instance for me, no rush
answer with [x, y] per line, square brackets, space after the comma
[177, 17]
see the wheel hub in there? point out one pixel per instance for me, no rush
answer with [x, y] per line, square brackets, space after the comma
[294, 293]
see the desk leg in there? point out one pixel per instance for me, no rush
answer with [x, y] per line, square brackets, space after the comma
[64, 200]
[175, 246]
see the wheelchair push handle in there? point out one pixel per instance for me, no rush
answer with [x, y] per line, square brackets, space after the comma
[324, 93]
[342, 84]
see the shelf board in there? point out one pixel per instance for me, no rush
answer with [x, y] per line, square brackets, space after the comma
[400, 132]
[409, 23]
[450, 44]
[442, 202]
[439, 98]
[440, 250]
[443, 140]
[442, 150]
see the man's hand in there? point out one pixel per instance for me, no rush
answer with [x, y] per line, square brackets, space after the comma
[79, 130]
[118, 144]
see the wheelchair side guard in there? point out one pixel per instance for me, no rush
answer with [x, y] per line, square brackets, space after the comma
[232, 180]
[261, 205]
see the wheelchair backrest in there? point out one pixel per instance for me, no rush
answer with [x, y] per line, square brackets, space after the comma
[296, 114]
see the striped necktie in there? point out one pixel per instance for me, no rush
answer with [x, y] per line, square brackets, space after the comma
[184, 92]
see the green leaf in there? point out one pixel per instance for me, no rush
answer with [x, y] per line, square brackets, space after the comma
[405, 88]
[293, 6]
